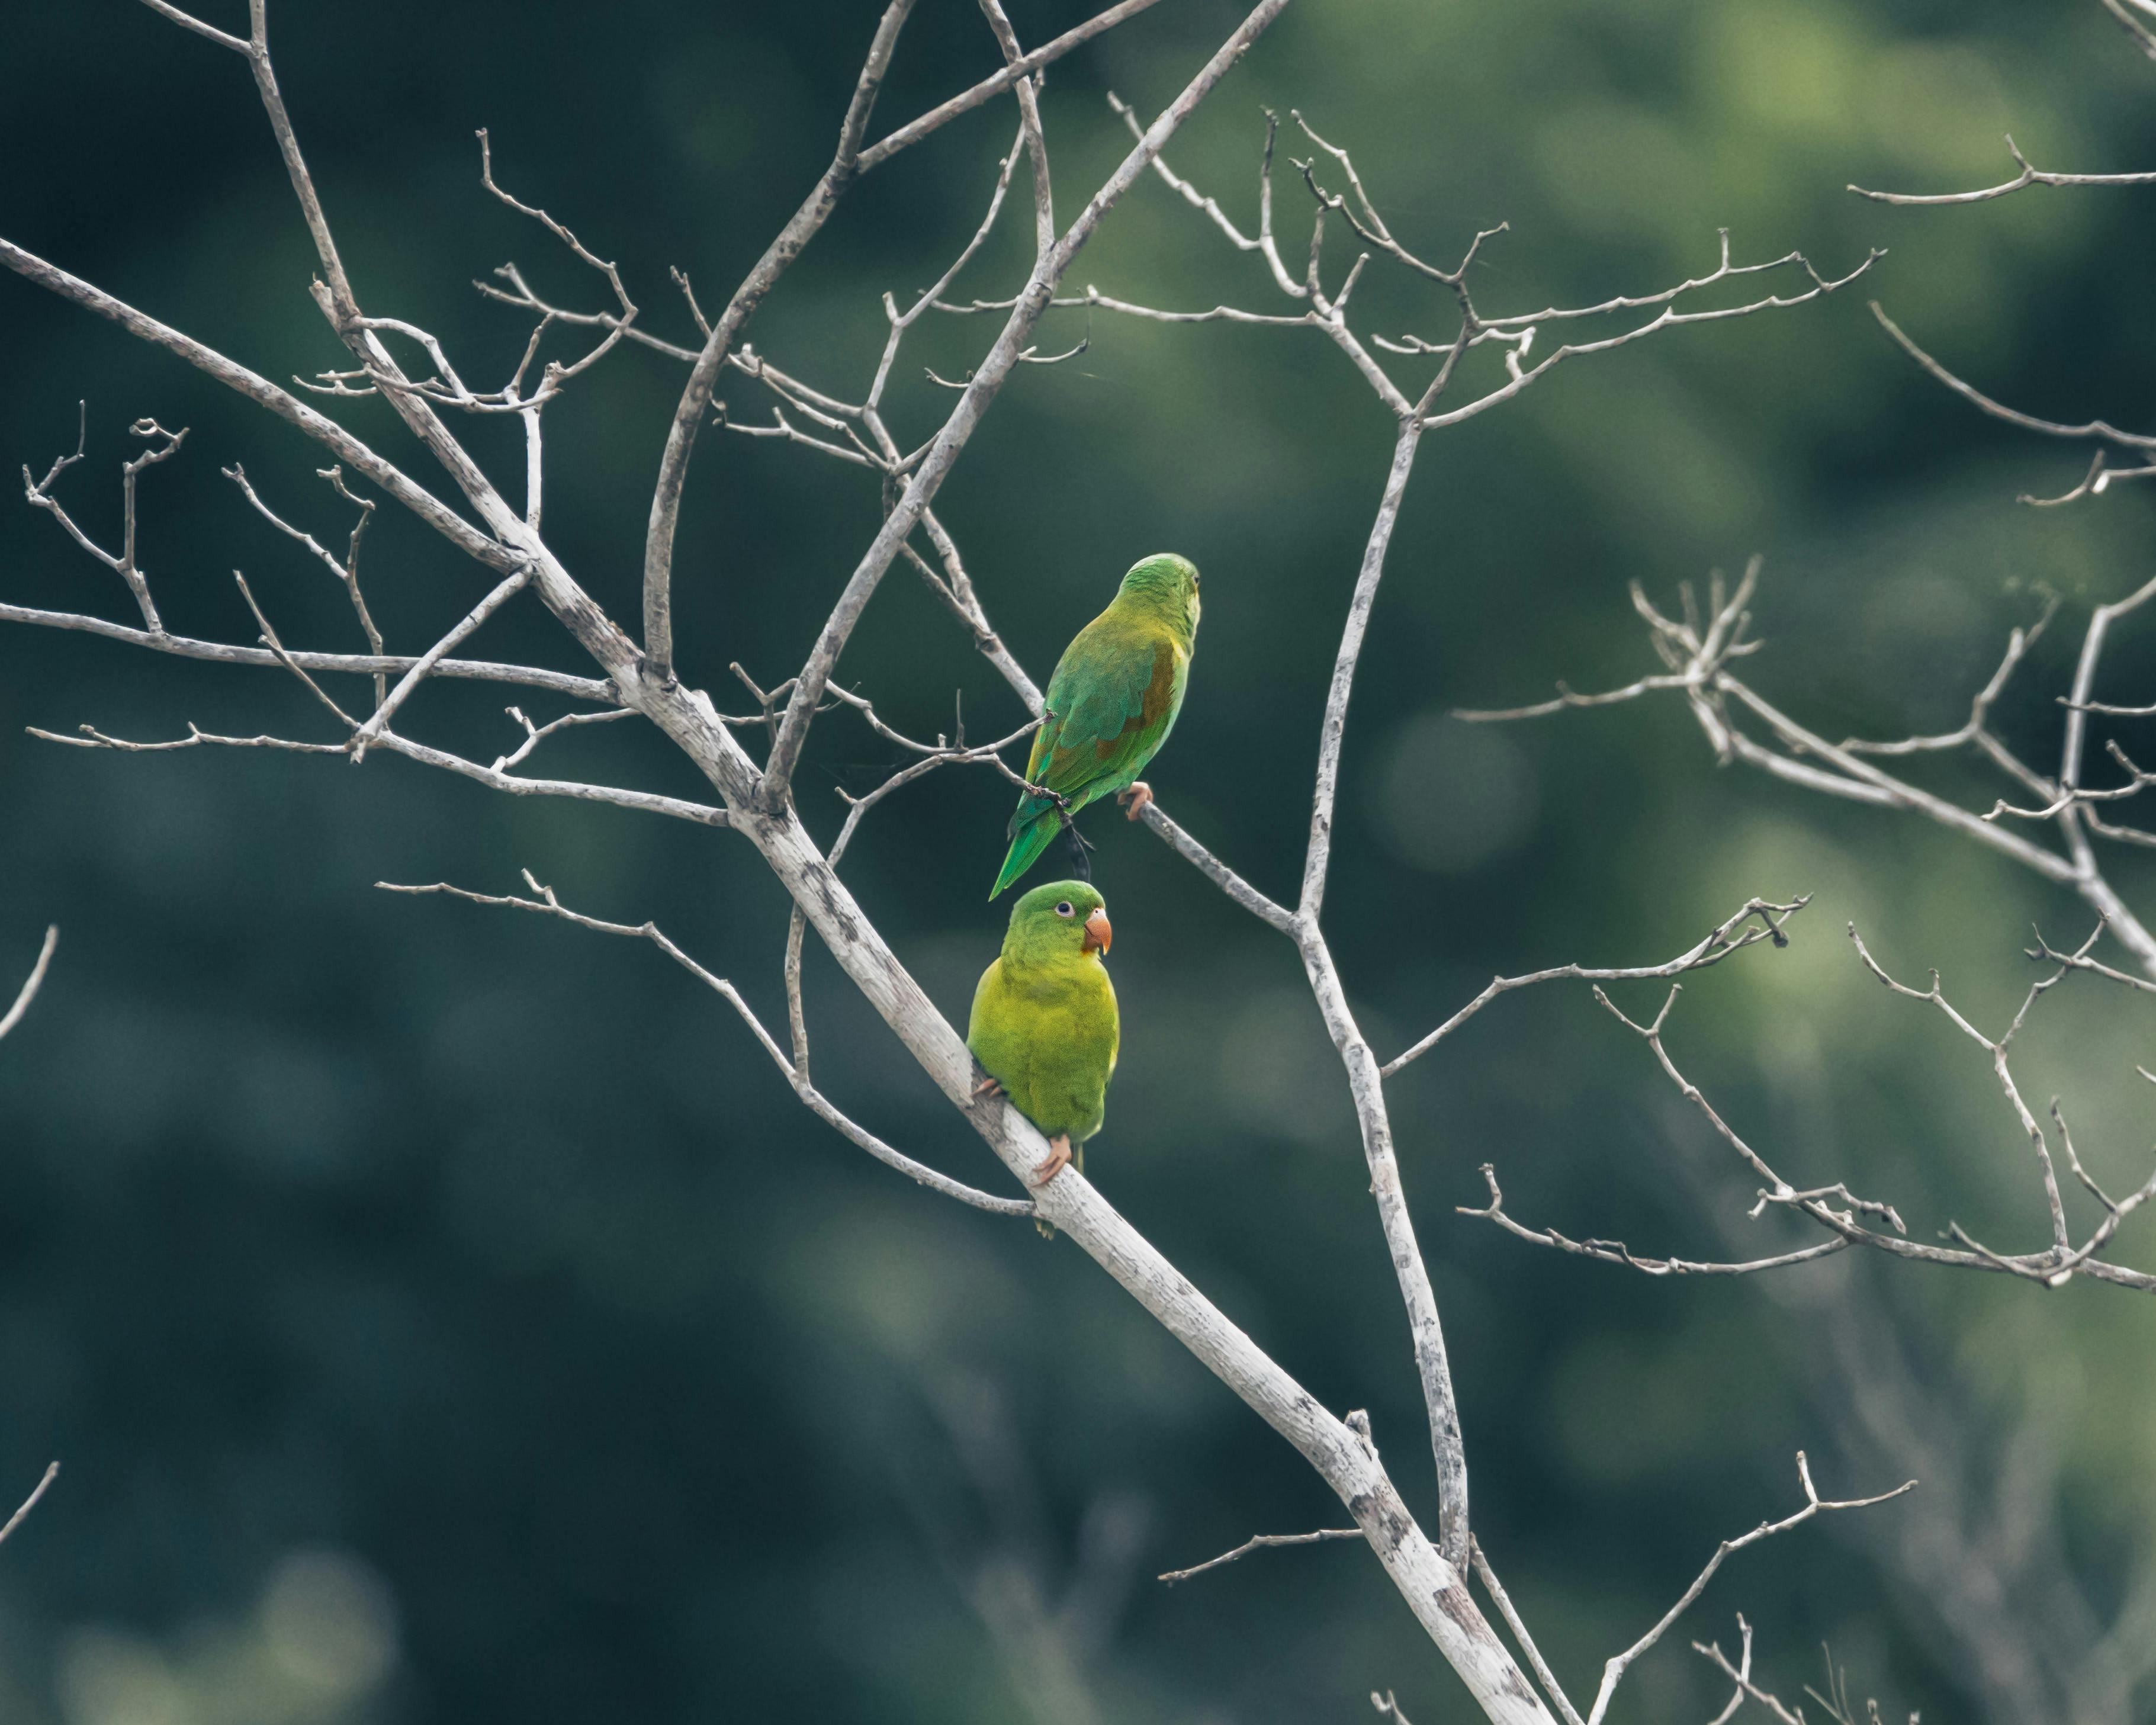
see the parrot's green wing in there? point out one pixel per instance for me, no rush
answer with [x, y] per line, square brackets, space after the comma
[1111, 703]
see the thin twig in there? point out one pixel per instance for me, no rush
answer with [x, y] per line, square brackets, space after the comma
[1614, 1672]
[1495, 1588]
[1998, 410]
[2029, 176]
[544, 903]
[52, 1472]
[31, 984]
[995, 85]
[1733, 935]
[358, 664]
[493, 778]
[462, 630]
[1260, 1541]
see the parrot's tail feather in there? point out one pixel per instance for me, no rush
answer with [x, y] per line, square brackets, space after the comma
[1026, 848]
[1029, 810]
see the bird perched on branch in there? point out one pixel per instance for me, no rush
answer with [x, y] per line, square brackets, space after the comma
[1111, 704]
[1043, 1025]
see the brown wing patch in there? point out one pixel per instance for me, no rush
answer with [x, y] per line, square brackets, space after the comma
[1151, 706]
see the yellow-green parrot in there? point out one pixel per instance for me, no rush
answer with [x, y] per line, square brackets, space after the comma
[1111, 704]
[1043, 1026]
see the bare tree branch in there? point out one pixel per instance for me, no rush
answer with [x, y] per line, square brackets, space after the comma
[994, 85]
[1615, 1251]
[495, 778]
[188, 21]
[124, 564]
[347, 571]
[1260, 1541]
[1036, 143]
[1732, 935]
[2029, 176]
[1612, 1673]
[358, 664]
[696, 394]
[433, 656]
[544, 901]
[52, 1472]
[28, 991]
[2060, 1239]
[260, 390]
[1998, 410]
[1839, 1710]
[1698, 661]
[2144, 38]
[1543, 1674]
[1835, 1208]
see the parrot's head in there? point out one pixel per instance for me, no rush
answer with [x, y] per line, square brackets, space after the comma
[1169, 582]
[1063, 919]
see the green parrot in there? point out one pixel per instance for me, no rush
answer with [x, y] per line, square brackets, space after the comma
[1043, 1026]
[1111, 704]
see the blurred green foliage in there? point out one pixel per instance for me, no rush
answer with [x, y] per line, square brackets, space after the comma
[445, 1316]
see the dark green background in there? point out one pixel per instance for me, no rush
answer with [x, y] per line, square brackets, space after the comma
[491, 1259]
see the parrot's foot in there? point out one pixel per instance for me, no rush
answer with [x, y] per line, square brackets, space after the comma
[988, 1087]
[1133, 801]
[1059, 1159]
[1062, 804]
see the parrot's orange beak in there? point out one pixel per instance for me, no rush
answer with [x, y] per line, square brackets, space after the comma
[1098, 934]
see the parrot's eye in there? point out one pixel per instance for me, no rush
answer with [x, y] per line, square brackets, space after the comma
[1064, 909]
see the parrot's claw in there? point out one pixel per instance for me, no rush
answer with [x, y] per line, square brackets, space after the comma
[988, 1087]
[1135, 799]
[1059, 1159]
[1060, 802]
